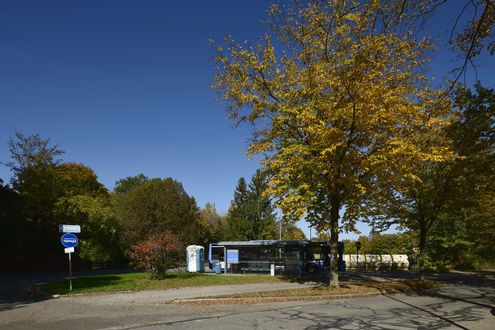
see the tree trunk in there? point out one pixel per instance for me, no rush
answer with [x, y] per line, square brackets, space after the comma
[422, 244]
[334, 245]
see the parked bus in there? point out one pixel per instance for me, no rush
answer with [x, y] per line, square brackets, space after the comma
[288, 257]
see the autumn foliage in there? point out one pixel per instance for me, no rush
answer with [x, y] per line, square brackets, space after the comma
[157, 253]
[338, 104]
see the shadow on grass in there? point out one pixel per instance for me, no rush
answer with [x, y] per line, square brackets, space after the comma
[20, 290]
[81, 284]
[172, 275]
[113, 283]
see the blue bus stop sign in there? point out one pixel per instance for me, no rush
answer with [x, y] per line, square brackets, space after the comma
[69, 240]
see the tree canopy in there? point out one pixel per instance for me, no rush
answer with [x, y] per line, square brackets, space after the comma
[123, 186]
[338, 105]
[41, 184]
[448, 200]
[77, 179]
[251, 215]
[100, 231]
[158, 205]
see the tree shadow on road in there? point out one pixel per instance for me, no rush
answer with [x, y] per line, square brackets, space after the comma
[430, 316]
[15, 297]
[410, 316]
[472, 298]
[18, 295]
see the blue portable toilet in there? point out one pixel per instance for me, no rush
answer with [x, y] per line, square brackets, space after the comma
[195, 259]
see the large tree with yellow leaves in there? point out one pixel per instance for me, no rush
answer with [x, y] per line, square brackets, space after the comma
[338, 103]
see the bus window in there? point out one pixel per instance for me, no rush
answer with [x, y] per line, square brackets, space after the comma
[265, 254]
[293, 260]
[217, 253]
[316, 252]
[293, 254]
[279, 254]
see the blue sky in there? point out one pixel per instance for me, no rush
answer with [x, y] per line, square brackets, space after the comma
[124, 86]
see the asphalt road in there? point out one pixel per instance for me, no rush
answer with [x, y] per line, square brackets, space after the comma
[468, 302]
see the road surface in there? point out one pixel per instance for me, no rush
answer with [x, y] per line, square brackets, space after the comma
[468, 302]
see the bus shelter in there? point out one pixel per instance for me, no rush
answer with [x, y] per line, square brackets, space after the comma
[292, 257]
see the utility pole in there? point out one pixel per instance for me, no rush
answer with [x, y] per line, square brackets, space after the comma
[358, 247]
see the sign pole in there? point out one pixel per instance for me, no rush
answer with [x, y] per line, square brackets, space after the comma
[69, 241]
[70, 272]
[226, 259]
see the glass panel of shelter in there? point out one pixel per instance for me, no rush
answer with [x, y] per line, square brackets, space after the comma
[293, 260]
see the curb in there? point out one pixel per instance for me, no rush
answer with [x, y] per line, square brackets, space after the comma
[37, 292]
[223, 301]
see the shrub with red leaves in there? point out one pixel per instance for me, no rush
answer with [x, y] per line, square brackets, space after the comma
[157, 253]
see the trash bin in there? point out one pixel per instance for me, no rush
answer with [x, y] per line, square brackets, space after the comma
[218, 268]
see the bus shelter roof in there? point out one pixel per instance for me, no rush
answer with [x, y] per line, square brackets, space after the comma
[267, 243]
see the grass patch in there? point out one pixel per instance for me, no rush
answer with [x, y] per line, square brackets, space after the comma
[142, 281]
[364, 288]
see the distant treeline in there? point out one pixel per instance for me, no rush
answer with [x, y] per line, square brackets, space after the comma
[45, 191]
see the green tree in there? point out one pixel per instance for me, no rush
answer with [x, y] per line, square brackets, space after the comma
[483, 233]
[292, 232]
[350, 245]
[322, 236]
[42, 181]
[238, 227]
[31, 151]
[123, 186]
[33, 164]
[377, 243]
[210, 215]
[251, 214]
[157, 206]
[212, 224]
[14, 236]
[337, 104]
[100, 230]
[449, 243]
[41, 178]
[73, 179]
[463, 237]
[261, 213]
[440, 204]
[387, 244]
[419, 203]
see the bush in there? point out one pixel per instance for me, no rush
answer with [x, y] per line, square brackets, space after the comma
[469, 261]
[157, 253]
